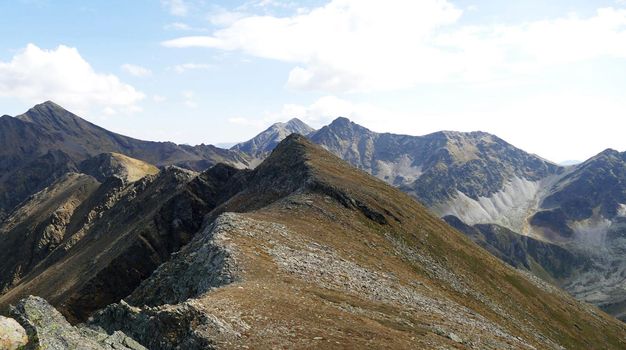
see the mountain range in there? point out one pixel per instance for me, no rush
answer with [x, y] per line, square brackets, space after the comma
[575, 213]
[305, 241]
[47, 141]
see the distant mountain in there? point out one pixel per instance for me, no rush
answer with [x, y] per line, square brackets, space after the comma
[302, 239]
[48, 141]
[565, 224]
[437, 167]
[261, 145]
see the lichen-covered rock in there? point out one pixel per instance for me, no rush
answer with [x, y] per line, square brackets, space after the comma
[12, 334]
[48, 329]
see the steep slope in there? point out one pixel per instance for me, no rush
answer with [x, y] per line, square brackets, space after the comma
[109, 242]
[549, 261]
[60, 213]
[321, 255]
[261, 145]
[40, 225]
[48, 141]
[585, 211]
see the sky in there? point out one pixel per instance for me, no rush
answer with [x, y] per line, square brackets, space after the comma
[547, 76]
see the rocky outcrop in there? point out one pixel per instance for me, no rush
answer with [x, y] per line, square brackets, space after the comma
[48, 329]
[163, 304]
[12, 334]
[205, 263]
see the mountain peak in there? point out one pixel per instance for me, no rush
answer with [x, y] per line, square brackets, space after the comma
[341, 121]
[50, 104]
[610, 152]
[295, 122]
[262, 144]
[48, 107]
[50, 115]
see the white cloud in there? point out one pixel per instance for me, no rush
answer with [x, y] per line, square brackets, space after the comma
[176, 7]
[159, 98]
[178, 26]
[62, 75]
[182, 68]
[137, 71]
[189, 99]
[222, 17]
[363, 45]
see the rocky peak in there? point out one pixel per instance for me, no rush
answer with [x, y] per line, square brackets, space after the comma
[260, 146]
[296, 123]
[51, 116]
[345, 127]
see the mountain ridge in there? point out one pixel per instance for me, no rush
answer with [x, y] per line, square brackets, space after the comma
[233, 257]
[50, 138]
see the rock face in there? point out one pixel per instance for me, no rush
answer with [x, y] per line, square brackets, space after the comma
[12, 334]
[261, 145]
[305, 251]
[38, 147]
[48, 329]
[435, 167]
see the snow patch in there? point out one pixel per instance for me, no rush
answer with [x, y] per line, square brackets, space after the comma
[621, 210]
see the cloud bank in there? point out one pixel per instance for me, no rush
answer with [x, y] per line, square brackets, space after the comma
[363, 45]
[62, 75]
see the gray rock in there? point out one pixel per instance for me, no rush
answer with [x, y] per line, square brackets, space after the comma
[12, 334]
[48, 329]
[455, 338]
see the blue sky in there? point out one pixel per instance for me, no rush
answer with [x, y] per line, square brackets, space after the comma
[548, 77]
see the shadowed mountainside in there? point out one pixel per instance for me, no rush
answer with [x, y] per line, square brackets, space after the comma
[41, 145]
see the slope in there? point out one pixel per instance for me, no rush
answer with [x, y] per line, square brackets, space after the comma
[311, 253]
[104, 241]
